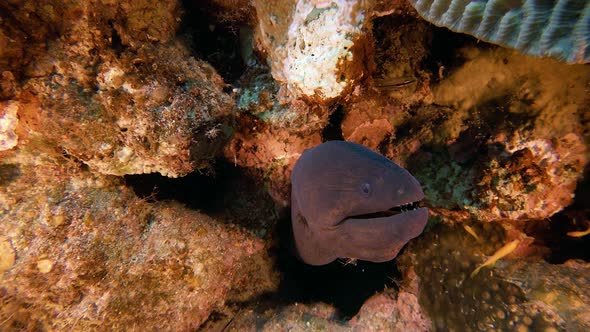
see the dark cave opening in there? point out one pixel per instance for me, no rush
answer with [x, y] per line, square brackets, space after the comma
[445, 51]
[225, 192]
[230, 192]
[333, 131]
[198, 191]
[345, 286]
[213, 39]
[445, 55]
[553, 232]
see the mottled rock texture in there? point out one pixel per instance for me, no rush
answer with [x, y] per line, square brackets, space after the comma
[522, 295]
[82, 252]
[94, 88]
[91, 91]
[269, 136]
[511, 137]
[316, 48]
[112, 88]
[386, 311]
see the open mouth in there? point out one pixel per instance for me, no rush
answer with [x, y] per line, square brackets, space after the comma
[391, 212]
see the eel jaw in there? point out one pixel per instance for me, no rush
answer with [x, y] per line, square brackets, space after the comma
[375, 237]
[378, 237]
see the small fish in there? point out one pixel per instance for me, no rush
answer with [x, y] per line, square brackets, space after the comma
[470, 230]
[505, 250]
[394, 83]
[580, 233]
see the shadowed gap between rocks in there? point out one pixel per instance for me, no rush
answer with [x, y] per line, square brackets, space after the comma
[226, 192]
[333, 131]
[343, 285]
[212, 41]
[576, 217]
[223, 193]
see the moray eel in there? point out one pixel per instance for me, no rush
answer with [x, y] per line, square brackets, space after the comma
[350, 202]
[556, 28]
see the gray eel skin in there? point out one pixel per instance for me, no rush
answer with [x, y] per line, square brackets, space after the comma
[350, 202]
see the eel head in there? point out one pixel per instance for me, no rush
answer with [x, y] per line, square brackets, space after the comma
[350, 202]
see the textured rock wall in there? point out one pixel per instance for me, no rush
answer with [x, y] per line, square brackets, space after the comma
[80, 251]
[91, 91]
[95, 88]
[113, 89]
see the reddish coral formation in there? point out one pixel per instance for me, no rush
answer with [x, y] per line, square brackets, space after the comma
[269, 136]
[394, 313]
[116, 87]
[272, 156]
[107, 96]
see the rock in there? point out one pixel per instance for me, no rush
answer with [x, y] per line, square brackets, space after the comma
[509, 142]
[382, 312]
[7, 256]
[116, 260]
[8, 123]
[269, 137]
[106, 95]
[557, 289]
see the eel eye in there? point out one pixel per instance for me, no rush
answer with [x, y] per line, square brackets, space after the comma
[365, 189]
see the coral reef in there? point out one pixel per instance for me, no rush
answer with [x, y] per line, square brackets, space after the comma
[80, 251]
[513, 149]
[490, 133]
[105, 95]
[557, 29]
[96, 94]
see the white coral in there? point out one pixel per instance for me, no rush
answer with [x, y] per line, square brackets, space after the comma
[318, 46]
[8, 123]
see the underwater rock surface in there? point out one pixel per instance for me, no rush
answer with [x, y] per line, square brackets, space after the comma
[386, 311]
[234, 91]
[79, 251]
[316, 48]
[101, 90]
